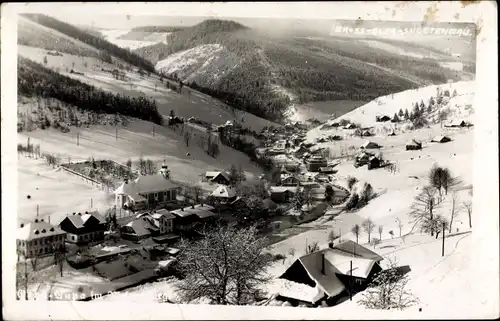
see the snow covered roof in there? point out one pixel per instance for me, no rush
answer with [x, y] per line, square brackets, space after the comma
[163, 212]
[441, 139]
[369, 144]
[353, 248]
[298, 291]
[281, 189]
[146, 184]
[35, 230]
[224, 192]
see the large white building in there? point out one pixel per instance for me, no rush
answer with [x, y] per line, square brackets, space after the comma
[39, 238]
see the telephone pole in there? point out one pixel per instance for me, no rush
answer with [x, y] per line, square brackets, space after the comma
[350, 283]
[442, 250]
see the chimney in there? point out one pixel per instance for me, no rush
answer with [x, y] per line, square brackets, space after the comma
[192, 206]
[22, 225]
[49, 219]
[323, 263]
[41, 220]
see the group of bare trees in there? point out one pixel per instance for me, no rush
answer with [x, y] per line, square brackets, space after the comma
[147, 166]
[424, 210]
[368, 227]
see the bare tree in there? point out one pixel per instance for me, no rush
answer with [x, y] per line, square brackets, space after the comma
[388, 290]
[424, 207]
[187, 138]
[368, 226]
[468, 207]
[332, 236]
[391, 233]
[456, 208]
[142, 165]
[226, 266]
[291, 251]
[380, 230]
[311, 248]
[400, 225]
[356, 230]
[435, 224]
[150, 167]
[26, 272]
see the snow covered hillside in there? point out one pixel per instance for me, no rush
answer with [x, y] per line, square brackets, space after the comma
[460, 106]
[204, 62]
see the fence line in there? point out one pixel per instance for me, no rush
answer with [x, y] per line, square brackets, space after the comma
[98, 184]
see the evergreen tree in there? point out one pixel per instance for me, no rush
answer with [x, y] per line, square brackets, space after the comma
[401, 113]
[395, 118]
[407, 114]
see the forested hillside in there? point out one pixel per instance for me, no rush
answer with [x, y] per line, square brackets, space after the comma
[105, 46]
[36, 80]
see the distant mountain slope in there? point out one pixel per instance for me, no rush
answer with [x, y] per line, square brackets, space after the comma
[459, 106]
[268, 74]
[36, 80]
[108, 49]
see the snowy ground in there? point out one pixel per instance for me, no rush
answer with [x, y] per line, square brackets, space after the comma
[54, 191]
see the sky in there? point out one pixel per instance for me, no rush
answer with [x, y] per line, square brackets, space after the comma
[114, 15]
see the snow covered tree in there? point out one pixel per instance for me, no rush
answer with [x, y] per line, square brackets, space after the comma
[454, 93]
[401, 113]
[380, 230]
[429, 109]
[226, 266]
[395, 118]
[422, 105]
[407, 114]
[45, 60]
[388, 290]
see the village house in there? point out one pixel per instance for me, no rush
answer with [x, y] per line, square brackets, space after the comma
[145, 192]
[370, 145]
[350, 126]
[281, 194]
[327, 170]
[223, 195]
[383, 118]
[457, 123]
[159, 224]
[414, 145]
[289, 180]
[87, 228]
[39, 238]
[217, 177]
[314, 163]
[373, 162]
[188, 217]
[441, 139]
[329, 274]
[362, 158]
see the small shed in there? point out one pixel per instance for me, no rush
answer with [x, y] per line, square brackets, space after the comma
[414, 145]
[441, 139]
[383, 118]
[370, 145]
